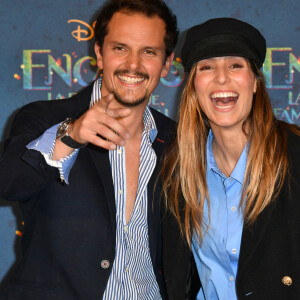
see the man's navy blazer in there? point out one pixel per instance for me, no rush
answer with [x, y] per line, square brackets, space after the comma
[69, 229]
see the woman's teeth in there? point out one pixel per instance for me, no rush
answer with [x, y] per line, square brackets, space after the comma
[224, 100]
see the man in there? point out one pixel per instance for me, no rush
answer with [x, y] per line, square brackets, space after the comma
[92, 225]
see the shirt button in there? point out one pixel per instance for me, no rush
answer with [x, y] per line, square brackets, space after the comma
[125, 228]
[231, 278]
[127, 268]
[119, 151]
[233, 208]
[120, 192]
[234, 251]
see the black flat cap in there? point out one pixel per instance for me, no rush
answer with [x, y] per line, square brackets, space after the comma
[223, 37]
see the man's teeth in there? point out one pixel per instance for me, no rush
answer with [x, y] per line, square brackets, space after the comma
[224, 95]
[130, 80]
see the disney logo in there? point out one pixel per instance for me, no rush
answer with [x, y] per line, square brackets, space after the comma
[84, 31]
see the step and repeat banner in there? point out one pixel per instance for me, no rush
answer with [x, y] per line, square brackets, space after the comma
[46, 53]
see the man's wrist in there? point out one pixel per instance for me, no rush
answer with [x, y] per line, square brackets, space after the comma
[63, 134]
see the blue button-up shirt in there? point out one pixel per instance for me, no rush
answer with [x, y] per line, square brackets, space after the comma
[217, 257]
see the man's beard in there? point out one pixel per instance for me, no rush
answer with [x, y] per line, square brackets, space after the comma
[128, 103]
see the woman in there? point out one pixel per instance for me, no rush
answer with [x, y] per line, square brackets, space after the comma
[236, 167]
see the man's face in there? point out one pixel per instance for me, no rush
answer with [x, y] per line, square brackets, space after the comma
[133, 57]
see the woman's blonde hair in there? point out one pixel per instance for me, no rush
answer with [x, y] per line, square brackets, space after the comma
[184, 171]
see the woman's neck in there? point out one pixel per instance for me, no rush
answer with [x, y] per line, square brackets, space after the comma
[227, 147]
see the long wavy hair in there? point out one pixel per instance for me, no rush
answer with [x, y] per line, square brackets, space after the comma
[184, 171]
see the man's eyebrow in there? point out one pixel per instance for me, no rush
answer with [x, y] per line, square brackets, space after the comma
[153, 48]
[117, 43]
[145, 47]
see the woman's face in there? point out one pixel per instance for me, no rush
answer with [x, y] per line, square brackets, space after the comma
[225, 88]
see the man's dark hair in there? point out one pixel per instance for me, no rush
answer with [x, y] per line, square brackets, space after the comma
[148, 8]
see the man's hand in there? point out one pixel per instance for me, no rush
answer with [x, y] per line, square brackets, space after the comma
[99, 126]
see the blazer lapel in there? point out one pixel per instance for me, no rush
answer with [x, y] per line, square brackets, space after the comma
[165, 133]
[99, 155]
[83, 99]
[154, 190]
[102, 165]
[252, 236]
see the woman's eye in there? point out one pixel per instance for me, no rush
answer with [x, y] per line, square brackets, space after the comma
[203, 68]
[236, 66]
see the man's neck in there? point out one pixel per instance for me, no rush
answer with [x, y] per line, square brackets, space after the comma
[135, 121]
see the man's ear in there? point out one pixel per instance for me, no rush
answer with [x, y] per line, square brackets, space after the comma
[99, 56]
[167, 65]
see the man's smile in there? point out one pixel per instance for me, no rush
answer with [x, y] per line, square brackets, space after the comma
[129, 77]
[130, 80]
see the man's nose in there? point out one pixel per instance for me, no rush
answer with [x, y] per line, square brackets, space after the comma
[133, 61]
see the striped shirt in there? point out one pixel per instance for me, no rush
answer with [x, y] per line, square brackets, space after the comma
[132, 275]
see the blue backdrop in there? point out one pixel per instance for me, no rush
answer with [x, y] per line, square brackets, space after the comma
[47, 53]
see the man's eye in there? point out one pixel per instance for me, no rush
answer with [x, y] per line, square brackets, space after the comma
[150, 52]
[119, 48]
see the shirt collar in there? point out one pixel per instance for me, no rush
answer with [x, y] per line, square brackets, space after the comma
[238, 172]
[149, 123]
[96, 94]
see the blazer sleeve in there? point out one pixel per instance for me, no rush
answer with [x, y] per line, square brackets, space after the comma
[24, 172]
